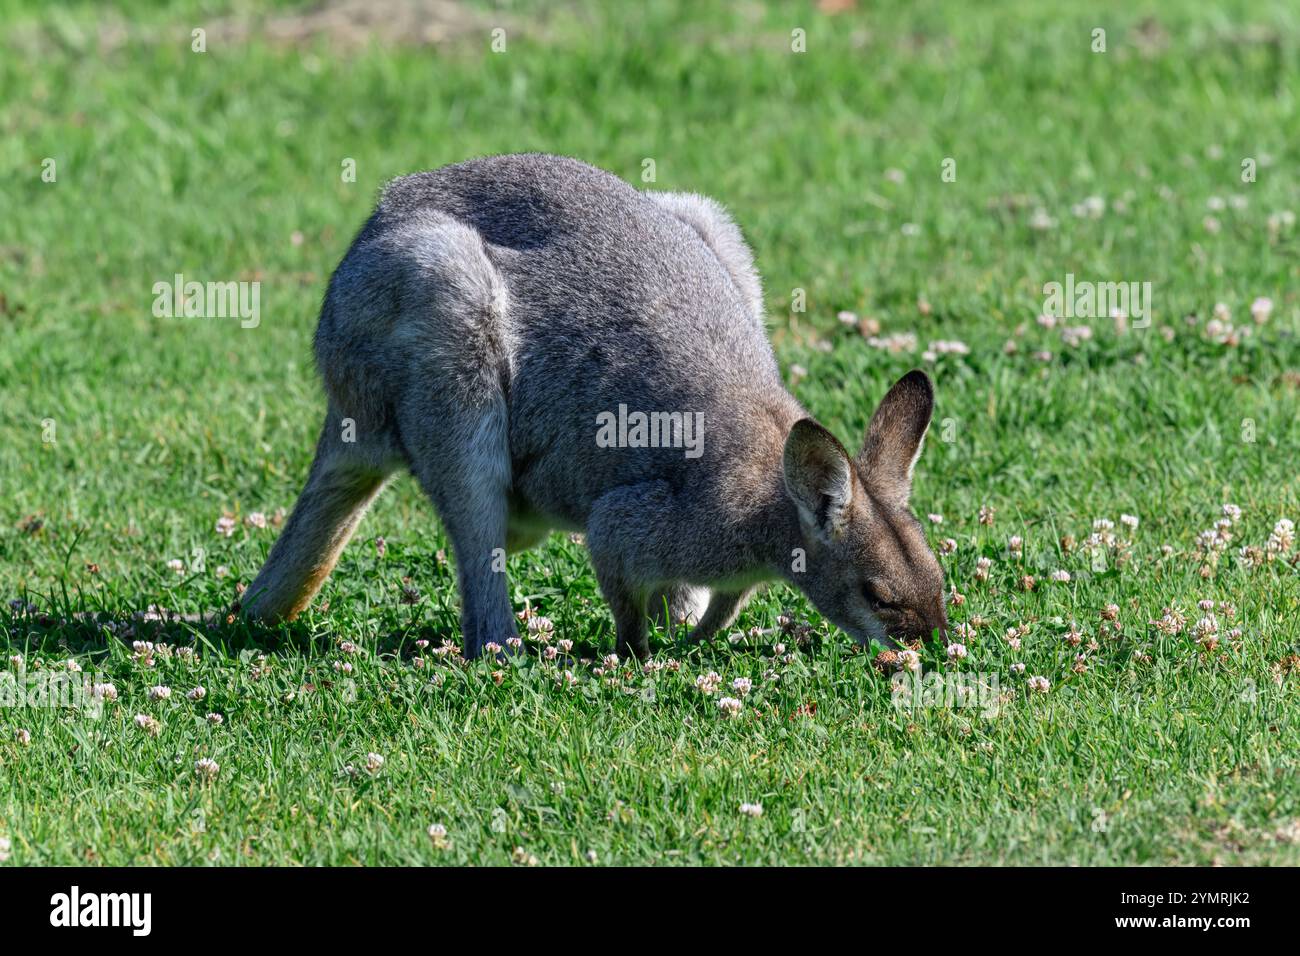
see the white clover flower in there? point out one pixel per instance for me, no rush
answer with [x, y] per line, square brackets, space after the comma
[104, 691]
[729, 706]
[950, 347]
[1060, 575]
[225, 526]
[438, 836]
[1075, 335]
[521, 857]
[909, 661]
[256, 519]
[216, 720]
[149, 725]
[947, 546]
[895, 342]
[1129, 521]
[514, 643]
[956, 652]
[206, 768]
[1039, 685]
[23, 736]
[198, 693]
[159, 692]
[935, 518]
[1282, 538]
[1018, 667]
[752, 809]
[1261, 309]
[538, 624]
[708, 683]
[374, 762]
[1090, 208]
[177, 565]
[742, 685]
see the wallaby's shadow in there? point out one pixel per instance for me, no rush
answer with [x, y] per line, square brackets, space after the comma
[34, 632]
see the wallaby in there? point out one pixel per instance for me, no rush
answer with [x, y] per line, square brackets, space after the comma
[546, 347]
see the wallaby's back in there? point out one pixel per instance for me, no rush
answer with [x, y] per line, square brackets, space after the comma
[610, 299]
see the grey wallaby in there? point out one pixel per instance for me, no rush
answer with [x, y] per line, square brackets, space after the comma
[545, 347]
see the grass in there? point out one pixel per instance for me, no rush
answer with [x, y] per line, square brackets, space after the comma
[124, 437]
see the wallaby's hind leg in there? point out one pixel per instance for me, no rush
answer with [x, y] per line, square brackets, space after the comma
[455, 340]
[462, 461]
[344, 478]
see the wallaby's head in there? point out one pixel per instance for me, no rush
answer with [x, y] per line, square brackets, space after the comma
[868, 567]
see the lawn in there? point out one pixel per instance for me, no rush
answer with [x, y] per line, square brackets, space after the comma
[909, 183]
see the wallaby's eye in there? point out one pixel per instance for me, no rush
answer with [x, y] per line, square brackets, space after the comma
[876, 597]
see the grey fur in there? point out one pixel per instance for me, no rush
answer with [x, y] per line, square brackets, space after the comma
[484, 317]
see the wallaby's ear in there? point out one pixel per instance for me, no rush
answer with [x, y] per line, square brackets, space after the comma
[894, 438]
[819, 477]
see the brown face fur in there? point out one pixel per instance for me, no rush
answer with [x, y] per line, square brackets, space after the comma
[869, 568]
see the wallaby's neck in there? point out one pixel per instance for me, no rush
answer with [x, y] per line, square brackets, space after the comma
[768, 525]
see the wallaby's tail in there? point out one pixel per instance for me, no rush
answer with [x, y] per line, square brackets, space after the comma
[344, 479]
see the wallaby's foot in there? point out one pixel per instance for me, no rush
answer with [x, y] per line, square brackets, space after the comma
[678, 604]
[630, 626]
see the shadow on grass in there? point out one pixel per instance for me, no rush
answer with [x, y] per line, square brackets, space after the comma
[30, 631]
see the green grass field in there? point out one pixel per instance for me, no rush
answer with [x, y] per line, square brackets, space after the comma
[124, 437]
